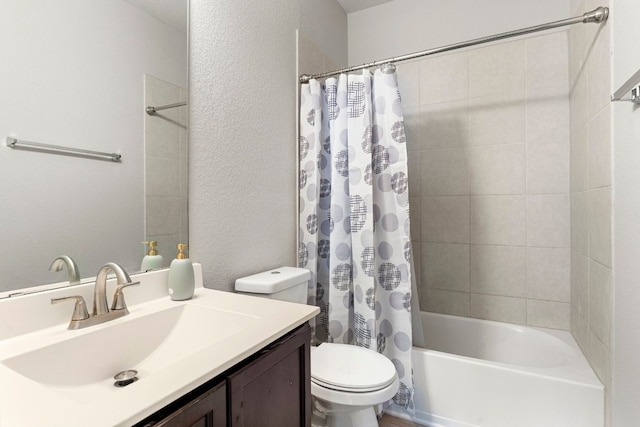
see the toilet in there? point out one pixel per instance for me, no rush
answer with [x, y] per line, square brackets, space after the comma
[347, 381]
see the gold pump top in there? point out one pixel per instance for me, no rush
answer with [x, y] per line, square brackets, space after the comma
[181, 248]
[152, 247]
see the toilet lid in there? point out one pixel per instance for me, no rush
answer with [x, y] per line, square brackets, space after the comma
[347, 367]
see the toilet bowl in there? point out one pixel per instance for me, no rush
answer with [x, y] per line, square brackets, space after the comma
[346, 381]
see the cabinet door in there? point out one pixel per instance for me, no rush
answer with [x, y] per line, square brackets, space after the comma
[207, 410]
[275, 389]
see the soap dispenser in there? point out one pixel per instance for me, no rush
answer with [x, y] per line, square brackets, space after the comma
[181, 277]
[152, 260]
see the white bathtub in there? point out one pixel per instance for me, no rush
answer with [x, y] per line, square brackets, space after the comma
[491, 374]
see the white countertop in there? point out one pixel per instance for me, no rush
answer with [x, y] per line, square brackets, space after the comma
[24, 402]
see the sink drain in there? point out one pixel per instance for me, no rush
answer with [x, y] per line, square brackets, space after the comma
[125, 378]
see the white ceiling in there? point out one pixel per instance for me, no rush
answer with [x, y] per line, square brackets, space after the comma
[356, 5]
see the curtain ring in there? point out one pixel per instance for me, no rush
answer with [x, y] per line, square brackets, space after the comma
[388, 68]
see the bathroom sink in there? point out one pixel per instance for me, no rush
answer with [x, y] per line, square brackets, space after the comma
[82, 367]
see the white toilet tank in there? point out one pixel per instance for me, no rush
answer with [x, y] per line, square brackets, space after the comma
[284, 284]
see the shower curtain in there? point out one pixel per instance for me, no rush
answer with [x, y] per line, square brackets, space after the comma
[354, 216]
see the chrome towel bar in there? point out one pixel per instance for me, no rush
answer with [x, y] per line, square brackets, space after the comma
[152, 110]
[15, 143]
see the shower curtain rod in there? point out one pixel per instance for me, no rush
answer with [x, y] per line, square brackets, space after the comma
[597, 15]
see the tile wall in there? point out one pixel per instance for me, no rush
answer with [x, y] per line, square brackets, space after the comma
[488, 141]
[591, 193]
[166, 160]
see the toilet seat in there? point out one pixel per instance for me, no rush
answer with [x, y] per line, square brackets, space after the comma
[348, 368]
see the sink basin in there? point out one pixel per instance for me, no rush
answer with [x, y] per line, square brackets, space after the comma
[82, 367]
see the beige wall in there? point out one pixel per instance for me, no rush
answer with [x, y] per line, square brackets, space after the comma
[488, 135]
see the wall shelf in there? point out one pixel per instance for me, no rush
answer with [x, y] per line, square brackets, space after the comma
[631, 87]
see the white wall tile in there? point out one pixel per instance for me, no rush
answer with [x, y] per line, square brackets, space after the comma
[599, 70]
[445, 172]
[549, 274]
[580, 222]
[162, 177]
[446, 302]
[444, 78]
[416, 251]
[415, 173]
[548, 168]
[497, 119]
[497, 69]
[415, 216]
[498, 220]
[580, 330]
[445, 125]
[580, 160]
[166, 219]
[548, 119]
[499, 308]
[580, 284]
[599, 357]
[547, 65]
[497, 169]
[445, 219]
[600, 149]
[600, 302]
[579, 102]
[409, 83]
[548, 314]
[413, 128]
[498, 270]
[445, 266]
[184, 179]
[548, 220]
[577, 48]
[600, 225]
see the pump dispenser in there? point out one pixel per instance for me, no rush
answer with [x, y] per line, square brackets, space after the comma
[181, 277]
[152, 260]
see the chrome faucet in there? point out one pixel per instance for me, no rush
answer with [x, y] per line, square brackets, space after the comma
[100, 313]
[72, 268]
[100, 289]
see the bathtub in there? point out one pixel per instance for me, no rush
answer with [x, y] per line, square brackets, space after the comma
[491, 374]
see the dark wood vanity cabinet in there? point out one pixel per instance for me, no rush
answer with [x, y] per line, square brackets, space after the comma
[206, 410]
[272, 388]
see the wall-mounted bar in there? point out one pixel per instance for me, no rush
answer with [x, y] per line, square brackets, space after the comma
[152, 110]
[597, 15]
[632, 85]
[15, 143]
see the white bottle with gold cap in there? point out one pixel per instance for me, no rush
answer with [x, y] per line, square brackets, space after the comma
[152, 260]
[181, 277]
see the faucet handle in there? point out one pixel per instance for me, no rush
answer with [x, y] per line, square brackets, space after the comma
[79, 310]
[118, 297]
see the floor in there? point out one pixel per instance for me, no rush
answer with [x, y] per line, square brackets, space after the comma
[389, 421]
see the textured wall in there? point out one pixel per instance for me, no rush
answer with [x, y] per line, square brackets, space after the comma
[243, 168]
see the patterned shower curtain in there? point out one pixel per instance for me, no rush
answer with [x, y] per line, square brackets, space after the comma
[354, 216]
